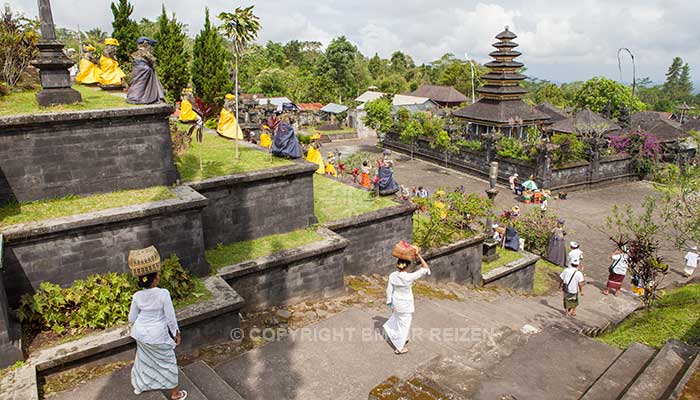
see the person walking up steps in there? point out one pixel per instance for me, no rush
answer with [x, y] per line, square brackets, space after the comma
[154, 327]
[691, 261]
[572, 286]
[399, 297]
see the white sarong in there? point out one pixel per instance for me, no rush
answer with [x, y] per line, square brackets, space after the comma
[397, 328]
[155, 367]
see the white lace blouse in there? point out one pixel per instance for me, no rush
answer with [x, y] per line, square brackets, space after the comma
[152, 317]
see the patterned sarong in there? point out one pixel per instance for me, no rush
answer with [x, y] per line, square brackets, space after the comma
[615, 281]
[155, 367]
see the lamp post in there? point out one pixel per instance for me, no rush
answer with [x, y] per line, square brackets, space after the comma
[53, 64]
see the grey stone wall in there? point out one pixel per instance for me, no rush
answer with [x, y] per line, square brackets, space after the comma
[458, 262]
[9, 348]
[84, 152]
[256, 204]
[372, 236]
[308, 272]
[577, 176]
[518, 275]
[66, 249]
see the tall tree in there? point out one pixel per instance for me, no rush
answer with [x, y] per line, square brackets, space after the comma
[126, 30]
[209, 70]
[173, 59]
[241, 27]
[341, 57]
[599, 93]
[375, 66]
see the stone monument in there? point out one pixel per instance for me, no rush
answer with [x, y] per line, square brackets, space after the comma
[53, 64]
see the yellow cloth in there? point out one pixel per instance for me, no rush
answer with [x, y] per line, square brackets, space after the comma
[186, 113]
[330, 170]
[89, 73]
[111, 73]
[265, 140]
[314, 156]
[227, 125]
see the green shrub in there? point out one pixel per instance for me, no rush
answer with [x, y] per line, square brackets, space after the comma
[97, 302]
[536, 228]
[211, 123]
[511, 148]
[570, 148]
[304, 139]
[469, 144]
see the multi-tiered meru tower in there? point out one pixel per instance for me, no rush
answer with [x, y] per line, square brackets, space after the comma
[500, 106]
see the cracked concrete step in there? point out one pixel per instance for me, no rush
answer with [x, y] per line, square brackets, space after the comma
[209, 382]
[664, 373]
[621, 373]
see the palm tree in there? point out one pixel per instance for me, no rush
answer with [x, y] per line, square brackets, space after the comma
[240, 27]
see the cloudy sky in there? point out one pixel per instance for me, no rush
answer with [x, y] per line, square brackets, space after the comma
[560, 40]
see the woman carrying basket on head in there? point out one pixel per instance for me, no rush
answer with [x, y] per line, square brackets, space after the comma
[154, 327]
[399, 295]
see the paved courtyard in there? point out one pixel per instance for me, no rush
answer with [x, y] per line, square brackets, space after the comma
[585, 211]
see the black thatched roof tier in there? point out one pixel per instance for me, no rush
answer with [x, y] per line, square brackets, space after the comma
[555, 114]
[500, 45]
[502, 113]
[502, 76]
[506, 54]
[506, 90]
[658, 124]
[584, 121]
[691, 125]
[506, 35]
[502, 64]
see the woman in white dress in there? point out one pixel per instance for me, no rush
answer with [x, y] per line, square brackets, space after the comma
[399, 297]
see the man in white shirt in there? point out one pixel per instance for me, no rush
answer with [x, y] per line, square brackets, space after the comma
[572, 285]
[575, 255]
[691, 261]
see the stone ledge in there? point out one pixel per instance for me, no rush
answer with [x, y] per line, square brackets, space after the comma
[186, 198]
[298, 168]
[372, 217]
[452, 247]
[527, 260]
[24, 385]
[330, 242]
[68, 116]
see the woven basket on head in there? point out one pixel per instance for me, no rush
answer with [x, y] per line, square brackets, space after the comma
[144, 261]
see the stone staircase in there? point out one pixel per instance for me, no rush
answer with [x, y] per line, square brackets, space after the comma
[202, 383]
[641, 373]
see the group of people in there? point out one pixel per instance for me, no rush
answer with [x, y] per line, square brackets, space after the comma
[145, 88]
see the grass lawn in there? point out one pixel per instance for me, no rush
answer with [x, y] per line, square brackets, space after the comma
[334, 200]
[675, 316]
[233, 253]
[504, 257]
[15, 213]
[217, 159]
[93, 99]
[546, 277]
[312, 130]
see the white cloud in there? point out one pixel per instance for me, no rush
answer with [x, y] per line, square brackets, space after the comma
[560, 40]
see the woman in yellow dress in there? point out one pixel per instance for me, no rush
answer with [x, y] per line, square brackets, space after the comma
[112, 77]
[89, 71]
[228, 126]
[186, 112]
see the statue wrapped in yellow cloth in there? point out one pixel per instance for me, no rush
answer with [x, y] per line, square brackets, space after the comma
[228, 126]
[112, 77]
[314, 156]
[186, 112]
[89, 70]
[330, 165]
[265, 140]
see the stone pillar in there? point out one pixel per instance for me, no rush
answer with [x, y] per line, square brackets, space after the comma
[53, 64]
[489, 247]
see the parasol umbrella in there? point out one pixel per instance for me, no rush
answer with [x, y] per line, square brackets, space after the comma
[530, 185]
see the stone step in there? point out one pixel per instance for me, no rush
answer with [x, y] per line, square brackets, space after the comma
[193, 392]
[209, 382]
[664, 373]
[621, 373]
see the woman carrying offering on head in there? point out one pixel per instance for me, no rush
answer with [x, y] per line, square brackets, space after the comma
[399, 297]
[154, 327]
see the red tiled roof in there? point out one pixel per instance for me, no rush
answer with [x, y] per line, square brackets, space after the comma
[310, 106]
